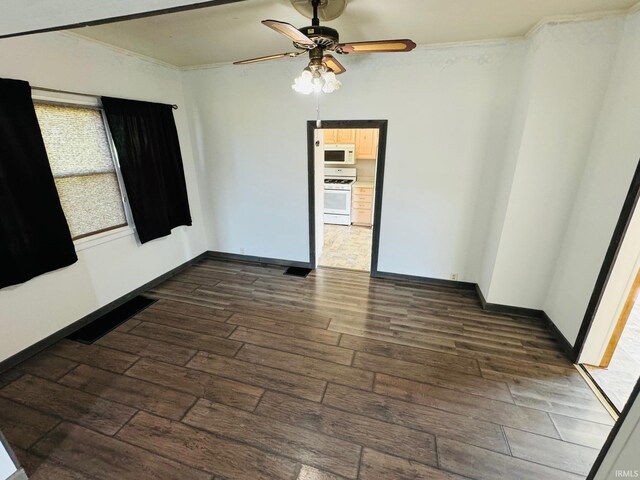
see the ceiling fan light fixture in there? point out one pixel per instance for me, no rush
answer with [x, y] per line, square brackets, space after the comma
[316, 80]
[304, 83]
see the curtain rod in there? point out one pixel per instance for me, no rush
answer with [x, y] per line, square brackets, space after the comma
[54, 90]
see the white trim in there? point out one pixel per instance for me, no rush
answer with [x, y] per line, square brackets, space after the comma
[426, 46]
[115, 48]
[585, 17]
[102, 237]
[80, 100]
[591, 384]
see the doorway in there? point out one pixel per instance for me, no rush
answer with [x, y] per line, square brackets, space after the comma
[619, 368]
[608, 340]
[346, 177]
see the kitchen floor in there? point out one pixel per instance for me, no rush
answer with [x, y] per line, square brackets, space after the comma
[346, 247]
[240, 372]
[623, 372]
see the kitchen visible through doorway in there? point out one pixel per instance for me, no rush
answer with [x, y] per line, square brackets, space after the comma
[349, 177]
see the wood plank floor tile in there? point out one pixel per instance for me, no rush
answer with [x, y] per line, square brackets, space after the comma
[473, 406]
[435, 376]
[316, 319]
[259, 375]
[312, 473]
[47, 365]
[426, 419]
[130, 391]
[319, 450]
[127, 326]
[582, 432]
[23, 425]
[186, 338]
[311, 367]
[321, 351]
[108, 458]
[282, 327]
[198, 383]
[481, 464]
[93, 355]
[548, 451]
[393, 337]
[146, 347]
[366, 431]
[189, 310]
[9, 376]
[193, 324]
[562, 403]
[38, 468]
[53, 399]
[378, 466]
[411, 354]
[201, 450]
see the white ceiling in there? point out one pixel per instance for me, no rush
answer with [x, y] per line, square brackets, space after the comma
[233, 32]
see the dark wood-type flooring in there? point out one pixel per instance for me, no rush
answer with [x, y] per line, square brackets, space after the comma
[241, 372]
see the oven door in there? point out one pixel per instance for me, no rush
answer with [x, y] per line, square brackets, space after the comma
[337, 201]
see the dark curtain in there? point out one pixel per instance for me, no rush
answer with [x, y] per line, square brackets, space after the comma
[146, 140]
[34, 235]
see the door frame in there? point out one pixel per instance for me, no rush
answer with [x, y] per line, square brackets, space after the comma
[381, 125]
[628, 208]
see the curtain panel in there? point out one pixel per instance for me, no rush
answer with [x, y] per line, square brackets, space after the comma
[148, 149]
[34, 235]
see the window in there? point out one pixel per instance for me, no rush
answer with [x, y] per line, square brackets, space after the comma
[83, 167]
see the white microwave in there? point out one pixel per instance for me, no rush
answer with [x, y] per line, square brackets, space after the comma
[343, 153]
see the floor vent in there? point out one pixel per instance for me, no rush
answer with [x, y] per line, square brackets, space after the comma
[107, 322]
[297, 271]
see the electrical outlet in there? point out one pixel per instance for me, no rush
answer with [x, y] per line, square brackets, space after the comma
[454, 276]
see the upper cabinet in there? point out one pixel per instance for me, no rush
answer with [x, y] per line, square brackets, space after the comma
[339, 135]
[366, 143]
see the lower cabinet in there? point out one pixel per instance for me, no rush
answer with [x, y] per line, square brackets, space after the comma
[362, 206]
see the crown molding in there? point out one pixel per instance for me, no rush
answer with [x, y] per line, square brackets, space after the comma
[120, 50]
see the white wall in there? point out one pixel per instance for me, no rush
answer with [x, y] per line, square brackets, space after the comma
[567, 79]
[448, 110]
[611, 162]
[104, 272]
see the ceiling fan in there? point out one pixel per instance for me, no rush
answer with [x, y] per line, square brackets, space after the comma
[316, 40]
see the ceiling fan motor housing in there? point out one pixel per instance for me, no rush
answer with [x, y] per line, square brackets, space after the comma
[324, 37]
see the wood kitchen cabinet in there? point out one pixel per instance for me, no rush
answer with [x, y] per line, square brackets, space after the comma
[362, 206]
[339, 135]
[366, 143]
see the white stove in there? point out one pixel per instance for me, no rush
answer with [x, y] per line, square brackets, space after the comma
[337, 195]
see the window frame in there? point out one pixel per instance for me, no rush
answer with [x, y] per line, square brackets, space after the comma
[90, 102]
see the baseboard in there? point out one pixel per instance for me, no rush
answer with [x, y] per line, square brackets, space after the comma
[565, 344]
[69, 329]
[424, 280]
[483, 302]
[253, 259]
[507, 309]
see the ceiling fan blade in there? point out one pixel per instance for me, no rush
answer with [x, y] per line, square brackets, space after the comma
[290, 32]
[268, 57]
[379, 46]
[334, 64]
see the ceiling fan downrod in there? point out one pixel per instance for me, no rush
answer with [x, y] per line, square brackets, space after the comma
[315, 21]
